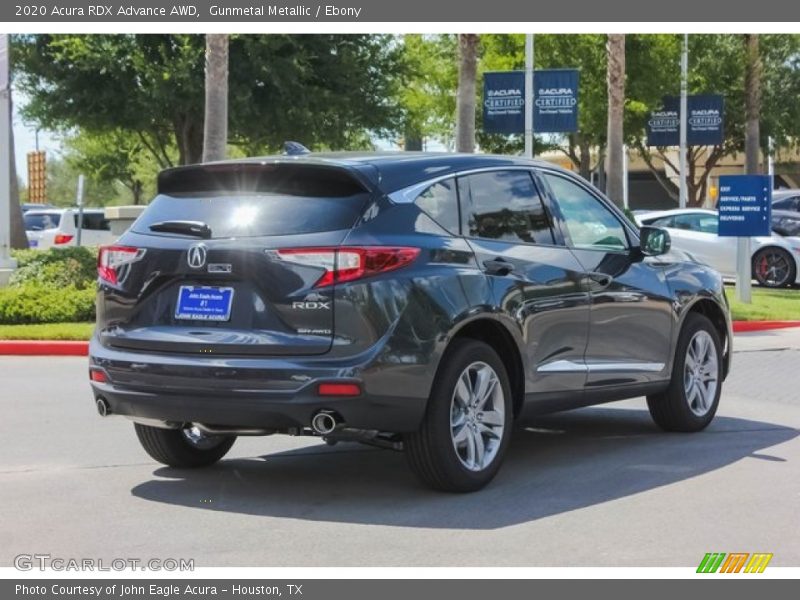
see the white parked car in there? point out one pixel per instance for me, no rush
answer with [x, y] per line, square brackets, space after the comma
[776, 259]
[58, 227]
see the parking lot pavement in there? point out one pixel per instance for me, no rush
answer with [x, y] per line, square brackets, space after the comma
[599, 486]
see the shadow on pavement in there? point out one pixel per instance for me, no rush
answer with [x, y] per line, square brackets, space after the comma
[559, 463]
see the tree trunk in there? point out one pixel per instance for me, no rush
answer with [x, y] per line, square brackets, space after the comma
[752, 111]
[585, 164]
[215, 133]
[601, 168]
[615, 52]
[465, 100]
[18, 239]
[412, 140]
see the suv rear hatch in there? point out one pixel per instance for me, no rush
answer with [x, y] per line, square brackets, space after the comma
[231, 258]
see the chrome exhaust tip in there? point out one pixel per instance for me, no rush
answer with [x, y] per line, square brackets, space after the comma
[323, 423]
[103, 409]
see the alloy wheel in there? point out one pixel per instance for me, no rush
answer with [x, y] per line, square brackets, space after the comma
[477, 416]
[701, 373]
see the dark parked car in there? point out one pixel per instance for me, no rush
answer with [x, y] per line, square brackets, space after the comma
[421, 302]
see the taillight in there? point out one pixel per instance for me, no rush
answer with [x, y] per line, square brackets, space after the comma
[62, 238]
[113, 260]
[350, 263]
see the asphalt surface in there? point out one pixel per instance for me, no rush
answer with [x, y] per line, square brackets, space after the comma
[595, 487]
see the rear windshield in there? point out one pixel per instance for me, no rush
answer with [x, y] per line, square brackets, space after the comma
[41, 221]
[250, 215]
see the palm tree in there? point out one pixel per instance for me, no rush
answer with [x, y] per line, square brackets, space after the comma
[615, 53]
[215, 132]
[465, 100]
[752, 94]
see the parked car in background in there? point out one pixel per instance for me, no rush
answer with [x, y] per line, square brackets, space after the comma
[786, 222]
[411, 301]
[776, 259]
[26, 206]
[786, 200]
[58, 227]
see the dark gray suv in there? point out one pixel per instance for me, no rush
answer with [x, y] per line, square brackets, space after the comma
[420, 302]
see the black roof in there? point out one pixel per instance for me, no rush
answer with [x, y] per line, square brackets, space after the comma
[389, 171]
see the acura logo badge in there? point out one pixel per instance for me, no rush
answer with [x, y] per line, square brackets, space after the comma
[196, 256]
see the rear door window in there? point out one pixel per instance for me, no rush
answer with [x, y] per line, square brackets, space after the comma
[41, 221]
[503, 205]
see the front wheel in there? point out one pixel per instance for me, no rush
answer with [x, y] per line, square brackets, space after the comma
[186, 448]
[691, 400]
[467, 426]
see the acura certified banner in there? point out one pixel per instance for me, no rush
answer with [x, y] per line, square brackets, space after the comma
[555, 101]
[706, 123]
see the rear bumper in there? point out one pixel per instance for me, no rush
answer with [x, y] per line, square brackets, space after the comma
[267, 393]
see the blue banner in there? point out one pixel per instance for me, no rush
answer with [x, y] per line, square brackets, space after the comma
[555, 100]
[705, 126]
[745, 205]
[504, 102]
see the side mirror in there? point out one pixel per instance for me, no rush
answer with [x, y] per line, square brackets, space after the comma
[654, 241]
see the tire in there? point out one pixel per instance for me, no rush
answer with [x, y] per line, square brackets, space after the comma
[183, 448]
[774, 267]
[687, 406]
[445, 452]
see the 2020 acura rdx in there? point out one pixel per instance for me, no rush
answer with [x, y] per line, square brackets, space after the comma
[415, 301]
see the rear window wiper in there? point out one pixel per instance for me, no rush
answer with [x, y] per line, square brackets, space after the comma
[195, 228]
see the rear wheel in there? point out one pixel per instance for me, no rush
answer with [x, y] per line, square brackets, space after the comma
[185, 448]
[467, 426]
[691, 400]
[774, 267]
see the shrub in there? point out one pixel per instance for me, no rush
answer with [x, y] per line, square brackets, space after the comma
[36, 303]
[56, 267]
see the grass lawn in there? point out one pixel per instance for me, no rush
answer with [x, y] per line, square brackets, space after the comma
[768, 305]
[47, 331]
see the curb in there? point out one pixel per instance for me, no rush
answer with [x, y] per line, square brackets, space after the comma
[44, 348]
[745, 326]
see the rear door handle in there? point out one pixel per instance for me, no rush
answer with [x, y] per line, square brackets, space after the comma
[497, 266]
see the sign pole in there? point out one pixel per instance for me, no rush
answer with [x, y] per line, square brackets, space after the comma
[684, 117]
[7, 264]
[743, 274]
[79, 202]
[625, 176]
[529, 95]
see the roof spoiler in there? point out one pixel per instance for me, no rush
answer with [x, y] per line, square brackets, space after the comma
[274, 176]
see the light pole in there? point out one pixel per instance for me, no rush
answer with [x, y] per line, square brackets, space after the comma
[684, 119]
[529, 95]
[7, 264]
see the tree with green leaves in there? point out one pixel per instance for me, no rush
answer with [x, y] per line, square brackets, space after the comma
[427, 96]
[327, 91]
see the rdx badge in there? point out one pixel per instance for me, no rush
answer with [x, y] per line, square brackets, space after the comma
[311, 305]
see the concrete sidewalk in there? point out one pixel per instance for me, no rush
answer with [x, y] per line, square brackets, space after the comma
[773, 339]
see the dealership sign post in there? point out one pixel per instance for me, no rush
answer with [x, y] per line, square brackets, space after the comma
[745, 211]
[555, 101]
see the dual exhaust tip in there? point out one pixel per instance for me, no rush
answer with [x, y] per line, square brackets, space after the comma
[103, 409]
[324, 422]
